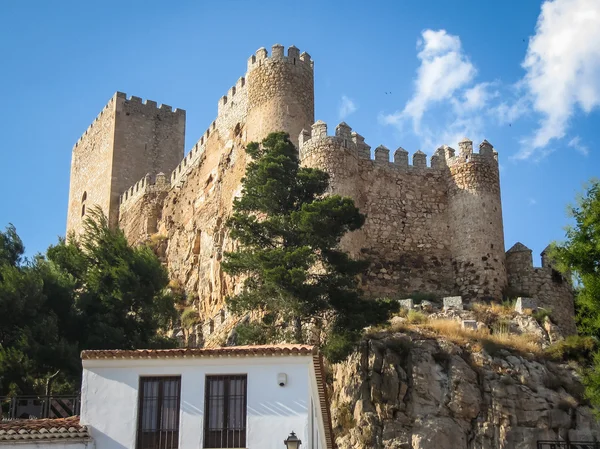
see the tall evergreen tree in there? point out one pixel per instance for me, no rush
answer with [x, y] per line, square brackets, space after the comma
[96, 292]
[289, 233]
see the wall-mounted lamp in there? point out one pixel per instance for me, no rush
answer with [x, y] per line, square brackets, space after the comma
[292, 442]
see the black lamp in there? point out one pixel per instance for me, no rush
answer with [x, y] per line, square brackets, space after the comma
[292, 442]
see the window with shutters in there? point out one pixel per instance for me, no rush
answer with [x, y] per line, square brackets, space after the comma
[158, 414]
[225, 412]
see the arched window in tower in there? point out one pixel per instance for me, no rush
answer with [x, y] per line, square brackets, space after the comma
[237, 131]
[83, 198]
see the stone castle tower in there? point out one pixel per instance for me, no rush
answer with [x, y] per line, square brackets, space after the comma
[434, 228]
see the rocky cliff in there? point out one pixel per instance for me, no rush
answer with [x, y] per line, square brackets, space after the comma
[412, 390]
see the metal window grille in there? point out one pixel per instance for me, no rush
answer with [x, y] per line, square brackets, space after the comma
[158, 412]
[568, 445]
[225, 411]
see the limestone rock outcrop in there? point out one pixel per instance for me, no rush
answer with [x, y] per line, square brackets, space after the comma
[415, 392]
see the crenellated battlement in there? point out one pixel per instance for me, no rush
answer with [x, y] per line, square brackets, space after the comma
[192, 159]
[226, 102]
[446, 155]
[294, 57]
[345, 137]
[158, 183]
[145, 106]
[148, 105]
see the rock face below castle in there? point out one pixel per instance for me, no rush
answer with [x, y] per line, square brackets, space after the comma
[431, 228]
[400, 391]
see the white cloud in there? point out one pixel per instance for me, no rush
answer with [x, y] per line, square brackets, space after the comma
[347, 107]
[444, 69]
[477, 97]
[575, 143]
[532, 201]
[563, 67]
[507, 113]
[562, 77]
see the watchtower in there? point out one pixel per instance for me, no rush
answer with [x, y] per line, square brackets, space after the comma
[475, 220]
[128, 139]
[280, 93]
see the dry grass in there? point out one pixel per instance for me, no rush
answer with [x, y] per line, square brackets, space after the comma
[454, 332]
[416, 317]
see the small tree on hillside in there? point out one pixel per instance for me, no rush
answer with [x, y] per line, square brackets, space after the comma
[289, 235]
[580, 255]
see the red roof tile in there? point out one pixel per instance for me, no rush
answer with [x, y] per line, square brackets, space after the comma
[228, 351]
[42, 429]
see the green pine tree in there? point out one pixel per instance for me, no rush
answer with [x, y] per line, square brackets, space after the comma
[289, 232]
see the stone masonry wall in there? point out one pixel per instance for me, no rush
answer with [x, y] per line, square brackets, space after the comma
[550, 289]
[129, 139]
[148, 139]
[475, 222]
[141, 207]
[434, 229]
[91, 168]
[280, 93]
[406, 232]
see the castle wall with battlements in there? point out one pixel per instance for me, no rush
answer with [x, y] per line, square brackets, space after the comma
[435, 228]
[432, 226]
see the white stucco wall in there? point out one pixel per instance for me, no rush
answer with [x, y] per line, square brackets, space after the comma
[109, 398]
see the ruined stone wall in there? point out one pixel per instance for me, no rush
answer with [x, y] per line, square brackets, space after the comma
[549, 288]
[475, 221]
[91, 168]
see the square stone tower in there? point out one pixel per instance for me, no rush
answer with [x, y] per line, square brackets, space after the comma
[127, 140]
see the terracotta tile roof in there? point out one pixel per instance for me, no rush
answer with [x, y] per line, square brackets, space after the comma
[228, 351]
[43, 429]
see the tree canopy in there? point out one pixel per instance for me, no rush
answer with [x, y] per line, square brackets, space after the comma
[579, 255]
[289, 233]
[94, 292]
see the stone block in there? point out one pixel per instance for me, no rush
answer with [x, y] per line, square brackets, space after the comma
[469, 324]
[453, 302]
[525, 303]
[406, 303]
[427, 306]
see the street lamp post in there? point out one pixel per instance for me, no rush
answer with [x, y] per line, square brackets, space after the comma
[292, 441]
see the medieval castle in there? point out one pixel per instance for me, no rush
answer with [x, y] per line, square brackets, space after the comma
[433, 228]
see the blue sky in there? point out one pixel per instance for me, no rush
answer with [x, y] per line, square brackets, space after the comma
[525, 75]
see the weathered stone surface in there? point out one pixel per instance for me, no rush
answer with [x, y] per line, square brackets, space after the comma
[453, 302]
[550, 289]
[469, 324]
[523, 304]
[406, 303]
[417, 393]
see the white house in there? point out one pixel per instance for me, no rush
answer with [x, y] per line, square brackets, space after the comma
[233, 397]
